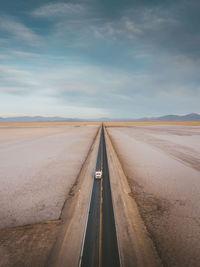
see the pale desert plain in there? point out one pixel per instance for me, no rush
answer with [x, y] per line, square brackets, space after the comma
[38, 166]
[162, 165]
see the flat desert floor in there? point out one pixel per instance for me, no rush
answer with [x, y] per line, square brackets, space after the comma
[162, 163]
[38, 166]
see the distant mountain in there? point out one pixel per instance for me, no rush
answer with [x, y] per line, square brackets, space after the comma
[187, 117]
[37, 119]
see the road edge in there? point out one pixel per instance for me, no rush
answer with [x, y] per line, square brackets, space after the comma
[135, 245]
[67, 249]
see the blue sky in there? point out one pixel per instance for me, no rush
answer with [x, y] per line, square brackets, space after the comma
[89, 59]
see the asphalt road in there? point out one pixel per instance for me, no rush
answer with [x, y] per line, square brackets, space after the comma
[100, 246]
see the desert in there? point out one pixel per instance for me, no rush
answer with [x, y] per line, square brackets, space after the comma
[162, 164]
[99, 133]
[47, 180]
[38, 166]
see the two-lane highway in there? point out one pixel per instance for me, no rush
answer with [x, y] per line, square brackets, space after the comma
[100, 245]
[110, 253]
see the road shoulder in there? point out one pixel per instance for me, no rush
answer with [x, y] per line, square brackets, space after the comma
[135, 244]
[68, 247]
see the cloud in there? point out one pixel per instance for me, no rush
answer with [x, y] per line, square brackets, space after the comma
[77, 20]
[19, 31]
[59, 10]
[138, 24]
[121, 30]
[3, 56]
[169, 29]
[15, 81]
[25, 54]
[107, 88]
[104, 90]
[143, 58]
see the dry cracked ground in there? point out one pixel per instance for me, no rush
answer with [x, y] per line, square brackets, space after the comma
[39, 165]
[162, 163]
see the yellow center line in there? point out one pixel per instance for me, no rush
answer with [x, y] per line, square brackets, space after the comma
[100, 228]
[100, 231]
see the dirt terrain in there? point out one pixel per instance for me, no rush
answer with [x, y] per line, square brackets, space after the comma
[48, 170]
[38, 166]
[162, 163]
[27, 245]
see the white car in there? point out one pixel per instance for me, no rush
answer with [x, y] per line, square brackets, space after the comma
[98, 174]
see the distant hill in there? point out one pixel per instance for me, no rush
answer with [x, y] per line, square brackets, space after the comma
[188, 117]
[37, 119]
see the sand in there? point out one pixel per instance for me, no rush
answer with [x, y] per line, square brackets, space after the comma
[27, 245]
[38, 166]
[163, 167]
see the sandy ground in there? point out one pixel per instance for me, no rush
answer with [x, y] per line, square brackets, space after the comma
[38, 166]
[163, 167]
[28, 245]
[135, 246]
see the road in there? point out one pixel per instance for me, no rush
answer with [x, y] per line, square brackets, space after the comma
[100, 246]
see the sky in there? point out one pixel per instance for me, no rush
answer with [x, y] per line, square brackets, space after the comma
[99, 58]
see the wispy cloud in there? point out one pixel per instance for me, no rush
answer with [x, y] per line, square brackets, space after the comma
[16, 81]
[122, 30]
[142, 57]
[3, 56]
[59, 10]
[19, 31]
[25, 54]
[83, 20]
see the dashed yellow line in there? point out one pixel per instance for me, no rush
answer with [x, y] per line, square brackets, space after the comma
[101, 201]
[100, 230]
